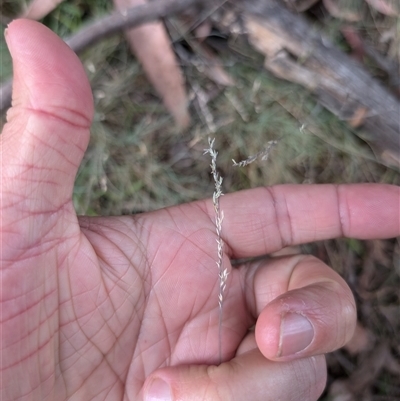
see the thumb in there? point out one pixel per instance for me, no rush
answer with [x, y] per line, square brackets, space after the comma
[249, 376]
[47, 128]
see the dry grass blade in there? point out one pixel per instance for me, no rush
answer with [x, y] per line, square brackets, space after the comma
[152, 46]
[387, 7]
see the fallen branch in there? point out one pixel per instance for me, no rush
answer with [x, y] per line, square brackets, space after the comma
[111, 24]
[361, 47]
[296, 52]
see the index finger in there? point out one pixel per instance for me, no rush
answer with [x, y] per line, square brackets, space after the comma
[264, 220]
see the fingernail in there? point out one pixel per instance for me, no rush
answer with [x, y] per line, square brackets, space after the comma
[158, 390]
[296, 334]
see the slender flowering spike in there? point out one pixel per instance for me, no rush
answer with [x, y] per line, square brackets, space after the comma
[219, 217]
[263, 154]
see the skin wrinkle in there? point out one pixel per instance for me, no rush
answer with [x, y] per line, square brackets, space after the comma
[71, 341]
[255, 267]
[32, 213]
[186, 329]
[24, 295]
[350, 310]
[284, 241]
[51, 373]
[159, 281]
[74, 115]
[341, 335]
[130, 266]
[121, 375]
[318, 315]
[172, 218]
[99, 332]
[162, 339]
[186, 239]
[105, 360]
[315, 376]
[134, 312]
[42, 214]
[136, 380]
[29, 333]
[109, 290]
[300, 378]
[192, 233]
[116, 337]
[50, 392]
[137, 226]
[115, 245]
[214, 386]
[104, 323]
[33, 333]
[67, 283]
[88, 378]
[31, 167]
[30, 354]
[248, 271]
[296, 261]
[37, 245]
[177, 252]
[72, 355]
[88, 375]
[116, 280]
[82, 333]
[119, 383]
[38, 140]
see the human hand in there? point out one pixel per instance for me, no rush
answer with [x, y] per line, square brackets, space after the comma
[101, 308]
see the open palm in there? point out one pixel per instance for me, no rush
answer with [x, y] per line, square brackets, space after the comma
[140, 293]
[109, 308]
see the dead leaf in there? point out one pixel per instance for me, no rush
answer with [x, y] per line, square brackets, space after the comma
[152, 46]
[362, 340]
[203, 30]
[339, 391]
[343, 9]
[358, 117]
[387, 7]
[287, 251]
[369, 369]
[38, 9]
[355, 41]
[212, 66]
[264, 40]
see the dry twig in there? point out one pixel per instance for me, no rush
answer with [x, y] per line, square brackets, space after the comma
[111, 24]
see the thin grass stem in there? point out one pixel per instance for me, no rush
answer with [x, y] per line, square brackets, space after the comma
[219, 217]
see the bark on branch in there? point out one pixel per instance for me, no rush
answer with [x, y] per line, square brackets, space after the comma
[298, 53]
